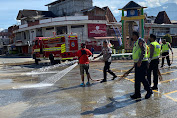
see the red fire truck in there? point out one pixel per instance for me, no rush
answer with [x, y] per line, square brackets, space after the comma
[56, 49]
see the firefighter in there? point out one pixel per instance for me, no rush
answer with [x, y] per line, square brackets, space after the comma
[165, 52]
[154, 55]
[106, 52]
[140, 58]
[83, 55]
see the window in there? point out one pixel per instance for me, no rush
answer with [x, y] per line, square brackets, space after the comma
[36, 42]
[24, 33]
[51, 28]
[61, 30]
[77, 26]
[153, 31]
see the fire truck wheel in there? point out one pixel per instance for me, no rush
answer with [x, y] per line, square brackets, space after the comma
[37, 61]
[51, 57]
[34, 56]
[63, 60]
[52, 61]
[58, 62]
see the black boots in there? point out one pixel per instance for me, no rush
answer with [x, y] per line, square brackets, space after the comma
[148, 95]
[134, 96]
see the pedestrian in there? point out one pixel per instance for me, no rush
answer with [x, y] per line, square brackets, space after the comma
[154, 56]
[140, 58]
[92, 51]
[83, 55]
[165, 52]
[106, 52]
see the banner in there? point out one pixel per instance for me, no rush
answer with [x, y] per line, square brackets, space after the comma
[97, 30]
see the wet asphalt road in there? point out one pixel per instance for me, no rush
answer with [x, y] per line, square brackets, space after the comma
[66, 99]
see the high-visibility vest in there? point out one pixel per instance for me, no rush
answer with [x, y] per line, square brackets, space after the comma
[165, 47]
[148, 50]
[137, 52]
[157, 48]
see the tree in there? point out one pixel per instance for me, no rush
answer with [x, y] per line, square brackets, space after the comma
[168, 38]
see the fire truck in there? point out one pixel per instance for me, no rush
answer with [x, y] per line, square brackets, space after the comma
[56, 49]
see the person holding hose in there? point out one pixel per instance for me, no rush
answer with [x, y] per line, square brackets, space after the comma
[106, 52]
[83, 55]
[165, 52]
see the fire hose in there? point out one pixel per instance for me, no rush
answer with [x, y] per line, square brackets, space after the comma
[167, 56]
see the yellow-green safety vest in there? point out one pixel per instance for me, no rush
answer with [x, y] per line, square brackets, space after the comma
[157, 48]
[165, 47]
[137, 52]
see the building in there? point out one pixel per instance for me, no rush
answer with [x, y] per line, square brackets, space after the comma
[161, 26]
[68, 7]
[150, 19]
[4, 41]
[91, 23]
[162, 18]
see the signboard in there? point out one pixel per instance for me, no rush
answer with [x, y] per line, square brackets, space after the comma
[97, 30]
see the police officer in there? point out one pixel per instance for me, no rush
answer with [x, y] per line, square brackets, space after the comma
[165, 52]
[140, 58]
[153, 55]
[106, 52]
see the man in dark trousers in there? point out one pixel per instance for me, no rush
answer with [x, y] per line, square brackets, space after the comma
[154, 56]
[165, 52]
[92, 51]
[83, 55]
[106, 52]
[140, 58]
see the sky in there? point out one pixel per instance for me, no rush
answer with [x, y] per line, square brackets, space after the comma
[9, 8]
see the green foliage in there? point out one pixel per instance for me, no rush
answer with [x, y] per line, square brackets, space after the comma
[168, 38]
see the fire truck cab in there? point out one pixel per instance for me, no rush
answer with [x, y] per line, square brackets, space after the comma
[56, 49]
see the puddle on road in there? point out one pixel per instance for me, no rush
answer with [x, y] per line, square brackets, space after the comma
[22, 78]
[174, 67]
[5, 81]
[13, 110]
[120, 91]
[50, 81]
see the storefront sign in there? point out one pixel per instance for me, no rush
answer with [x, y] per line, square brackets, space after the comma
[97, 30]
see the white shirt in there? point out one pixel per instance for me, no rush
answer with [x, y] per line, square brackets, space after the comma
[106, 52]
